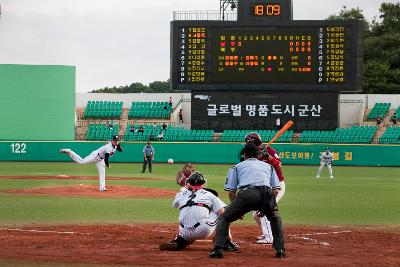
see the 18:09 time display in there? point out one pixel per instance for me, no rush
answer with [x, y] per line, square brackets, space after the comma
[266, 10]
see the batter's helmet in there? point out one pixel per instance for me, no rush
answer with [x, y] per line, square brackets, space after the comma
[196, 179]
[253, 138]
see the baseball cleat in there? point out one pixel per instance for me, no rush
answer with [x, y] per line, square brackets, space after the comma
[264, 241]
[65, 151]
[169, 246]
[317, 176]
[280, 254]
[260, 237]
[103, 190]
[331, 176]
[216, 253]
[231, 246]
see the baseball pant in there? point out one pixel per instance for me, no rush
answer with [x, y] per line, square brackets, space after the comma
[93, 158]
[147, 160]
[247, 200]
[263, 222]
[205, 228]
[322, 166]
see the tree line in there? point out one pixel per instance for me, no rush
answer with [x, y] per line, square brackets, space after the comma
[381, 70]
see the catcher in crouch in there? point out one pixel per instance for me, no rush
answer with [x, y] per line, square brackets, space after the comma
[199, 210]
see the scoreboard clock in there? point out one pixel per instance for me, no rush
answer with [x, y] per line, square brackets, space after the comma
[266, 50]
[261, 12]
[272, 10]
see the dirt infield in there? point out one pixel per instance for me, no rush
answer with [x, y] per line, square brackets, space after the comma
[115, 191]
[67, 177]
[137, 245]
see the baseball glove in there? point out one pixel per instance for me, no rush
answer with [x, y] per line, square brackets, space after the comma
[119, 148]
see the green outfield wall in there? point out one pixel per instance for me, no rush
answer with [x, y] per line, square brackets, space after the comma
[37, 102]
[227, 153]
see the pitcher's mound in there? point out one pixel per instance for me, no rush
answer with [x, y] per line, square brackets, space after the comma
[93, 190]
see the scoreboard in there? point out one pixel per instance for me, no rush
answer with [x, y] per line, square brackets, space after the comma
[302, 55]
[265, 49]
[220, 110]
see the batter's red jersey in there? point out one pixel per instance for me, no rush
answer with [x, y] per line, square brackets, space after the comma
[275, 162]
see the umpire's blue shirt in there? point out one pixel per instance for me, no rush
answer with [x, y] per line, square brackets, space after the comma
[149, 151]
[251, 172]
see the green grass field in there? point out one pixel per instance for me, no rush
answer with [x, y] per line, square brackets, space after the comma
[356, 196]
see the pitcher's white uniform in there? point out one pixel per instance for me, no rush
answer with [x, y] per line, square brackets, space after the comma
[96, 157]
[326, 160]
[197, 222]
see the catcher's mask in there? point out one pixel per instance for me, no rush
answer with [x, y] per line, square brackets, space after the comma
[253, 138]
[196, 181]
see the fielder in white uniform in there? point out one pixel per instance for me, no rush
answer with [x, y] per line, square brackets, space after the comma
[326, 160]
[198, 216]
[99, 157]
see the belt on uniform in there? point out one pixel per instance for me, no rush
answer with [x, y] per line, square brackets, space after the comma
[191, 203]
[252, 187]
[99, 155]
[194, 226]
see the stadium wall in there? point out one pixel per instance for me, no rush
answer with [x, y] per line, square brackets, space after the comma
[37, 102]
[222, 153]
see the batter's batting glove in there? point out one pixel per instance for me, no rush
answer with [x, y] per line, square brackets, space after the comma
[264, 152]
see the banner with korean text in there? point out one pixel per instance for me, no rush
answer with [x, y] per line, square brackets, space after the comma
[247, 110]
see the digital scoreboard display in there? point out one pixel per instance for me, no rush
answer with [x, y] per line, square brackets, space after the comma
[303, 55]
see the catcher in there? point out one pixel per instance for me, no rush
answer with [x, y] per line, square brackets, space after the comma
[183, 174]
[198, 215]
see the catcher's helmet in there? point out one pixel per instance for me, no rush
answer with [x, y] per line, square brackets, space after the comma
[196, 179]
[253, 138]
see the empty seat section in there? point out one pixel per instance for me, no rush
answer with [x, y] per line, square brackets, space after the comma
[157, 110]
[103, 109]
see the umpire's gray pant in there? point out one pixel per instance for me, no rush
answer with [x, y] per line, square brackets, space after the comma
[247, 200]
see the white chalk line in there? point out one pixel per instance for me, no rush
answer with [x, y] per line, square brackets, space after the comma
[313, 240]
[36, 231]
[323, 233]
[303, 236]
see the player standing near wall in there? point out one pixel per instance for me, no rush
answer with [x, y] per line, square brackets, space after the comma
[326, 160]
[148, 156]
[99, 157]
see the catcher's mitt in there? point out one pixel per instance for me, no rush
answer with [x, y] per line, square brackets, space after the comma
[186, 172]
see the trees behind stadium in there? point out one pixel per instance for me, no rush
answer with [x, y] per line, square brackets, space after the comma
[381, 54]
[154, 87]
[381, 48]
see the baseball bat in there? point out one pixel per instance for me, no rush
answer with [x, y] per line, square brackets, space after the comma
[281, 131]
